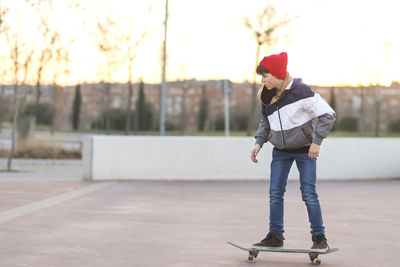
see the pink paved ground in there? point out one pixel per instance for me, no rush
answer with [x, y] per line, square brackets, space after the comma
[14, 194]
[188, 223]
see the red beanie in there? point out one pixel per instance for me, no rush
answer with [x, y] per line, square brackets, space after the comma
[276, 65]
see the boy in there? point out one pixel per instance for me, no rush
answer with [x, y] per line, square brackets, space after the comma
[289, 108]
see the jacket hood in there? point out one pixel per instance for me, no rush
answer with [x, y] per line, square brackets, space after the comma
[262, 90]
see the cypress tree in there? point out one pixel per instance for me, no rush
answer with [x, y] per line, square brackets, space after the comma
[140, 109]
[76, 109]
[332, 103]
[203, 110]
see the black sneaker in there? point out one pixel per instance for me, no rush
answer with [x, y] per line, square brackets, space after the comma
[320, 243]
[273, 240]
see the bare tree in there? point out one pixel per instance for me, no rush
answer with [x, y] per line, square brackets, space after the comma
[264, 28]
[3, 105]
[61, 59]
[184, 87]
[132, 46]
[106, 41]
[15, 57]
[46, 52]
[362, 124]
[21, 56]
[52, 44]
[3, 12]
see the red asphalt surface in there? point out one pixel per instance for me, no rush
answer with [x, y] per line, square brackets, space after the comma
[179, 223]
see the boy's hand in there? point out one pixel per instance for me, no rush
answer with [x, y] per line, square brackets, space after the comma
[254, 153]
[314, 151]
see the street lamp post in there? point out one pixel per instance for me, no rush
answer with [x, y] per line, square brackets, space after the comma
[163, 94]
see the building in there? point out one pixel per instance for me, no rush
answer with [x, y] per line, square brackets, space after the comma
[184, 97]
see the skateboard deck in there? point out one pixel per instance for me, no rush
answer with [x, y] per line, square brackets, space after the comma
[253, 252]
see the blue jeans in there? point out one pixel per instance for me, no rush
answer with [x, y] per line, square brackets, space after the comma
[280, 167]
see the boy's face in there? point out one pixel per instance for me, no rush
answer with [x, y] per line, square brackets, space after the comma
[270, 81]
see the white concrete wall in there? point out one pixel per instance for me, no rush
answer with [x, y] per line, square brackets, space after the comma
[228, 158]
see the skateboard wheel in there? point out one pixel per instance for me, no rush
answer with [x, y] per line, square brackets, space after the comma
[316, 261]
[251, 258]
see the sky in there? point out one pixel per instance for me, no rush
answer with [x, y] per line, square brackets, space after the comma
[331, 42]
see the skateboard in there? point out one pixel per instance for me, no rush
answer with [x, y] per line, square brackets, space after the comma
[253, 252]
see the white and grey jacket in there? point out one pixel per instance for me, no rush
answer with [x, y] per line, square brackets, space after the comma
[288, 123]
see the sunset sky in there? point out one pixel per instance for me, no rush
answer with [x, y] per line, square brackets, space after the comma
[332, 42]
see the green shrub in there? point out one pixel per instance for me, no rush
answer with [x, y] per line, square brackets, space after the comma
[45, 112]
[117, 120]
[394, 126]
[219, 123]
[348, 124]
[170, 126]
[239, 121]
